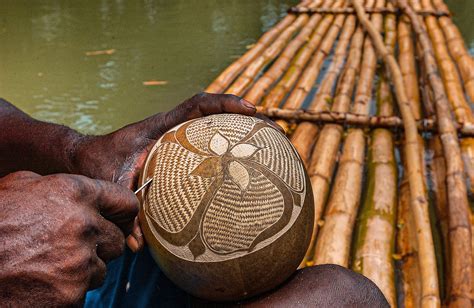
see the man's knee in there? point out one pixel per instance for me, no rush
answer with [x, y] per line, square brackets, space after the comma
[340, 286]
[326, 285]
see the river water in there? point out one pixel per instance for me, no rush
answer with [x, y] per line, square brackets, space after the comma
[51, 66]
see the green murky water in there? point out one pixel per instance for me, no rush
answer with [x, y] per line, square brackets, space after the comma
[463, 16]
[44, 68]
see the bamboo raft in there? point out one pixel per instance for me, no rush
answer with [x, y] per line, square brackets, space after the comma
[376, 96]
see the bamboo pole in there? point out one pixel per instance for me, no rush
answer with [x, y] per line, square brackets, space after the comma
[311, 73]
[302, 71]
[384, 10]
[304, 136]
[437, 168]
[280, 65]
[459, 220]
[406, 58]
[308, 77]
[472, 247]
[465, 65]
[437, 175]
[406, 239]
[277, 69]
[426, 93]
[253, 69]
[418, 202]
[328, 31]
[448, 70]
[323, 158]
[410, 287]
[323, 99]
[467, 150]
[428, 124]
[406, 242]
[375, 231]
[232, 71]
[334, 239]
[458, 50]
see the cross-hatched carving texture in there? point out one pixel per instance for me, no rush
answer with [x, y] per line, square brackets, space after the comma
[280, 159]
[229, 182]
[234, 219]
[176, 193]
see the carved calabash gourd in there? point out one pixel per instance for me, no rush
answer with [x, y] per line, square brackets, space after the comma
[230, 210]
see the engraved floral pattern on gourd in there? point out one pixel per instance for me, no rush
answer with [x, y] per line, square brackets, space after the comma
[228, 193]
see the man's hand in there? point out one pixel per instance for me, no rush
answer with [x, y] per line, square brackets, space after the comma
[45, 148]
[56, 234]
[119, 156]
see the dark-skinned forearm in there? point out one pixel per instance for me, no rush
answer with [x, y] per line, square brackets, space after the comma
[29, 144]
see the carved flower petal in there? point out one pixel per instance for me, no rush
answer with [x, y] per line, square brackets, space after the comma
[208, 168]
[219, 144]
[239, 175]
[244, 150]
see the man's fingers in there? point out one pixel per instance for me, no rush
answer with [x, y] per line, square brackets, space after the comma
[117, 204]
[204, 104]
[114, 202]
[20, 175]
[130, 172]
[97, 272]
[110, 240]
[135, 240]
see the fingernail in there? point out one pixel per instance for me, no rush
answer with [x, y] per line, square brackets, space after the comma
[248, 104]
